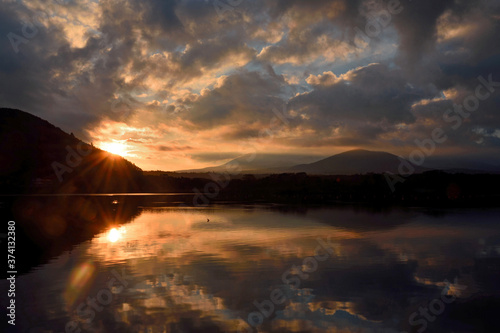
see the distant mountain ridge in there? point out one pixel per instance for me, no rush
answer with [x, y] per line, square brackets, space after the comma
[357, 161]
[259, 163]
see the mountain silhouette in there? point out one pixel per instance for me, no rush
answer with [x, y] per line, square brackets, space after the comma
[38, 157]
[259, 163]
[358, 161]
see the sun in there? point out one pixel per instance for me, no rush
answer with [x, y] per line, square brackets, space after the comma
[117, 148]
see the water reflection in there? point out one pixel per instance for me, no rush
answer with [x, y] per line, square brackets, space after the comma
[115, 234]
[169, 270]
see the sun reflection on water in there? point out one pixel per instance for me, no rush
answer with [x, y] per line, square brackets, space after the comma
[170, 270]
[115, 234]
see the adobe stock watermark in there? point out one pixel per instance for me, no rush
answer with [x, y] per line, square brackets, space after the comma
[278, 122]
[29, 30]
[86, 311]
[292, 278]
[120, 106]
[378, 17]
[434, 308]
[73, 160]
[456, 117]
[223, 6]
[30, 27]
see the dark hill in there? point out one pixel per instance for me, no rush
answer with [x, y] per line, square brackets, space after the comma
[357, 161]
[38, 157]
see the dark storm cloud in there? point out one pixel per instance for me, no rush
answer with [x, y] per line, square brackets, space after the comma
[242, 99]
[468, 129]
[24, 74]
[436, 36]
[161, 13]
[200, 56]
[417, 28]
[482, 20]
[312, 22]
[367, 96]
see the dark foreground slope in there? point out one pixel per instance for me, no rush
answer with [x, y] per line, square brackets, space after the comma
[37, 157]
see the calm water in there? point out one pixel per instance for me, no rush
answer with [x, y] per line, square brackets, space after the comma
[169, 270]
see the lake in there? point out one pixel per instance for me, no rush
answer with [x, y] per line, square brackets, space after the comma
[233, 268]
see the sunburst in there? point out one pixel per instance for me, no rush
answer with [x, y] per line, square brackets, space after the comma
[117, 148]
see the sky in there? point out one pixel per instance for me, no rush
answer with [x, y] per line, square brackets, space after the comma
[187, 84]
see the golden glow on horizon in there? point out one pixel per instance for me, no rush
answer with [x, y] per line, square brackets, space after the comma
[153, 145]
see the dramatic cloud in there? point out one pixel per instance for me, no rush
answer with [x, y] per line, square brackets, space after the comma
[178, 81]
